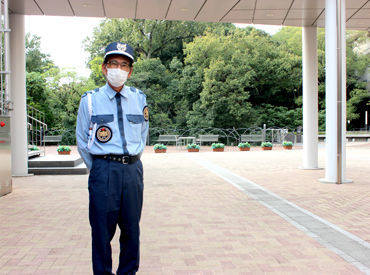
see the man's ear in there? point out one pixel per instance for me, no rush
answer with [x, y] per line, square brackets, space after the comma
[131, 70]
[104, 68]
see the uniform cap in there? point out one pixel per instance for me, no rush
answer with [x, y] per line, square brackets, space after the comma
[119, 48]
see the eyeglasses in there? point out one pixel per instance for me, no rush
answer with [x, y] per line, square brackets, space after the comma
[114, 64]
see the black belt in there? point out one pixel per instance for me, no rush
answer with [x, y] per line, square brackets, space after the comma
[119, 158]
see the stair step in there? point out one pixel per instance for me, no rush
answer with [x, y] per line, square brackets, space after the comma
[32, 154]
[57, 165]
[55, 161]
[80, 169]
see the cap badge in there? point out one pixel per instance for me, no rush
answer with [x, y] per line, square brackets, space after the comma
[121, 47]
[103, 134]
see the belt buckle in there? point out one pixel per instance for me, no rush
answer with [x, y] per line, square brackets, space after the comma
[125, 159]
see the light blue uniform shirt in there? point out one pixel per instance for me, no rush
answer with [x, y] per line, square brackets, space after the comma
[104, 117]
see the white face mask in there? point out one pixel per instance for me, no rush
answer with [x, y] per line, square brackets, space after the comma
[116, 77]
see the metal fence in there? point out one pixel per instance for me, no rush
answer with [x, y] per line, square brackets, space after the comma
[231, 136]
[228, 136]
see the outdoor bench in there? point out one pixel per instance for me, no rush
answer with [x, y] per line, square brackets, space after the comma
[207, 138]
[251, 138]
[52, 139]
[167, 138]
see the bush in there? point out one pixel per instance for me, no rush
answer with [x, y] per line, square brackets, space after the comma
[266, 144]
[244, 145]
[34, 148]
[63, 148]
[287, 143]
[217, 145]
[160, 146]
[193, 146]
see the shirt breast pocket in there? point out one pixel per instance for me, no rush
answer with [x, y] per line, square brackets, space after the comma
[135, 124]
[102, 119]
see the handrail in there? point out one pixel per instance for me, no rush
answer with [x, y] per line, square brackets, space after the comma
[38, 121]
[36, 127]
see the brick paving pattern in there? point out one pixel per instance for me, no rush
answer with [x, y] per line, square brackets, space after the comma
[193, 221]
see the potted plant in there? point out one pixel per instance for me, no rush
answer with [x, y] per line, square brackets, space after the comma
[244, 146]
[288, 145]
[64, 150]
[218, 147]
[193, 147]
[266, 145]
[34, 148]
[160, 148]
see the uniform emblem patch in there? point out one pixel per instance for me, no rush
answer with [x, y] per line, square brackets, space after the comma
[103, 134]
[146, 113]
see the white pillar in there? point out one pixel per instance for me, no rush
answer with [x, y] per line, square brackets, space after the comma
[18, 95]
[310, 98]
[335, 169]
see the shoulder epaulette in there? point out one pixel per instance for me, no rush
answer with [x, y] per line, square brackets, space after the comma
[85, 94]
[135, 90]
[90, 92]
[132, 89]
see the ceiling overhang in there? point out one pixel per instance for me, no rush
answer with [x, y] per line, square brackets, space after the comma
[269, 12]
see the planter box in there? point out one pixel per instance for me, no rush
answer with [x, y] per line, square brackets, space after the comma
[218, 149]
[193, 150]
[266, 148]
[160, 151]
[64, 152]
[288, 147]
[245, 149]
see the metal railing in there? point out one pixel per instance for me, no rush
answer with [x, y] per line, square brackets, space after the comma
[36, 128]
[228, 136]
[5, 104]
[231, 136]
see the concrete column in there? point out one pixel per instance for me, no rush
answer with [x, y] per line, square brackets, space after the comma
[335, 169]
[18, 95]
[310, 98]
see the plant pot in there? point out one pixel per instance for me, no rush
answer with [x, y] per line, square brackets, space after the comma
[193, 150]
[244, 149]
[266, 148]
[64, 152]
[288, 147]
[218, 149]
[160, 151]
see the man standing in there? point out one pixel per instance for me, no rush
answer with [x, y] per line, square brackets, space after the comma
[112, 125]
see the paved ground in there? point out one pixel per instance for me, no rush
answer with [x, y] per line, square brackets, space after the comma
[199, 216]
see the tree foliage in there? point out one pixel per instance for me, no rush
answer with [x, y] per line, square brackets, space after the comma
[36, 61]
[201, 74]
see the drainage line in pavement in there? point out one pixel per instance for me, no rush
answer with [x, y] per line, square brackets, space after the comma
[343, 243]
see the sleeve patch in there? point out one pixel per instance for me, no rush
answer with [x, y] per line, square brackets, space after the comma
[146, 113]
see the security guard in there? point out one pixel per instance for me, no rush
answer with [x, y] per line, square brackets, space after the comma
[112, 125]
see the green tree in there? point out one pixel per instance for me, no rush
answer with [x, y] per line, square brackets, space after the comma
[64, 91]
[357, 63]
[246, 68]
[151, 76]
[36, 61]
[149, 38]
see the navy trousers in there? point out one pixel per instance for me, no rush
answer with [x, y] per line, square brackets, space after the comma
[116, 198]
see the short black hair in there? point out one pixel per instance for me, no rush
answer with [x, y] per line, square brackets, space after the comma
[112, 55]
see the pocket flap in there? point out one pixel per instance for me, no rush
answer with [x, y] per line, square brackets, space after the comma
[100, 119]
[135, 118]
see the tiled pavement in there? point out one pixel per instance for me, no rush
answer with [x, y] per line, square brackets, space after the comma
[194, 221]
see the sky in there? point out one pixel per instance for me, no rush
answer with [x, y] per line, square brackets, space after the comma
[62, 38]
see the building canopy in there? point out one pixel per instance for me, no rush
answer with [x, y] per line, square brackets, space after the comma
[270, 12]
